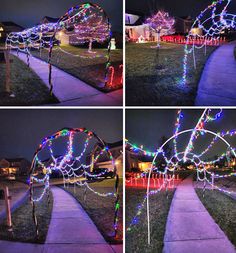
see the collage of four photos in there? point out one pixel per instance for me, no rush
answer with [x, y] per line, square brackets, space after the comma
[118, 126]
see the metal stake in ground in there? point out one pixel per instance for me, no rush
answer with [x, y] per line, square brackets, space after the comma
[117, 205]
[8, 208]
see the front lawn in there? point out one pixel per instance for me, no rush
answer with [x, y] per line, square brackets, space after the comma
[147, 84]
[101, 209]
[88, 67]
[136, 239]
[23, 225]
[26, 86]
[223, 210]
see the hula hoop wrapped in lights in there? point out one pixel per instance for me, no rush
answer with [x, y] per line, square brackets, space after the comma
[86, 23]
[75, 165]
[187, 155]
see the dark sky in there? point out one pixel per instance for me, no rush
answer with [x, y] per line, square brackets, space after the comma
[21, 131]
[176, 8]
[29, 12]
[146, 127]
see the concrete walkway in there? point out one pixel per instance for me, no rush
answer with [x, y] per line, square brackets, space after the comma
[70, 230]
[69, 90]
[190, 228]
[70, 225]
[218, 81]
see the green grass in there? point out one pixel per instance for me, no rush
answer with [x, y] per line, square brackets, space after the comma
[88, 69]
[136, 239]
[23, 225]
[25, 84]
[101, 209]
[223, 210]
[148, 85]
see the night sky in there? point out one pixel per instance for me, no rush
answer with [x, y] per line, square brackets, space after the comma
[146, 127]
[175, 8]
[29, 12]
[21, 131]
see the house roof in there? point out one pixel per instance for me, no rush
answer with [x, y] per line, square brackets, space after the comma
[137, 13]
[187, 18]
[139, 21]
[115, 144]
[145, 158]
[10, 160]
[50, 19]
[10, 23]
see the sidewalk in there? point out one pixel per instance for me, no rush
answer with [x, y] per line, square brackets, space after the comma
[190, 228]
[218, 80]
[70, 230]
[71, 227]
[69, 90]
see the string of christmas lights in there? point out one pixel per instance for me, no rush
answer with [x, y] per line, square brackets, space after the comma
[212, 21]
[75, 166]
[86, 23]
[200, 165]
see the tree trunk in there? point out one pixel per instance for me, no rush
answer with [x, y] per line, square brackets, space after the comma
[158, 39]
[90, 46]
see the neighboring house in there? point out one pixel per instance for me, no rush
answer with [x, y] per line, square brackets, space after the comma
[137, 161]
[17, 166]
[61, 35]
[183, 25]
[136, 29]
[8, 27]
[116, 149]
[46, 20]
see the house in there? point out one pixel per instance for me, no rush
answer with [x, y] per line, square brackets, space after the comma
[46, 20]
[135, 27]
[137, 161]
[116, 149]
[136, 30]
[16, 166]
[61, 35]
[183, 25]
[8, 27]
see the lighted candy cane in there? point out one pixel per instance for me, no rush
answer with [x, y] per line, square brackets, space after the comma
[112, 72]
[121, 79]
